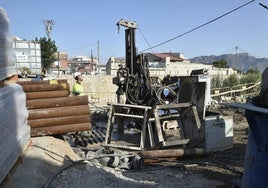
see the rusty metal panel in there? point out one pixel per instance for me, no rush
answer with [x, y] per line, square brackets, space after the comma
[194, 93]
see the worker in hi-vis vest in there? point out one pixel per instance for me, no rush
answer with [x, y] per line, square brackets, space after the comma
[77, 87]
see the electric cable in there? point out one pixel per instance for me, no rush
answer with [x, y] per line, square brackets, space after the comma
[170, 12]
[264, 6]
[52, 176]
[78, 48]
[144, 37]
[98, 107]
[213, 20]
[245, 51]
[78, 162]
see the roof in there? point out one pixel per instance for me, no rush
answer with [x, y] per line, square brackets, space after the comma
[172, 56]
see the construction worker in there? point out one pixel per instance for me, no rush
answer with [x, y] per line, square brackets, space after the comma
[262, 99]
[77, 87]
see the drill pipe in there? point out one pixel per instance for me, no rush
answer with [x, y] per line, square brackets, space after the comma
[47, 94]
[56, 102]
[58, 112]
[60, 129]
[172, 152]
[42, 82]
[45, 87]
[58, 121]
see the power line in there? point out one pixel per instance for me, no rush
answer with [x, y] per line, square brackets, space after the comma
[170, 12]
[249, 53]
[144, 37]
[82, 47]
[160, 44]
[264, 6]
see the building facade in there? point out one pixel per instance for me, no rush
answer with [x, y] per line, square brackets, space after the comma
[113, 65]
[172, 64]
[28, 55]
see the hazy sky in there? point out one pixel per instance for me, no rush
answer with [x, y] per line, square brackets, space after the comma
[80, 24]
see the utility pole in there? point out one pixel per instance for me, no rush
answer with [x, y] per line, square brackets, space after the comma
[98, 57]
[235, 56]
[48, 27]
[58, 64]
[92, 62]
[236, 48]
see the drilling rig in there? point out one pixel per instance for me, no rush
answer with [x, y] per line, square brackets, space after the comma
[163, 114]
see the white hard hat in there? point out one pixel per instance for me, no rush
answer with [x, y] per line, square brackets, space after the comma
[77, 74]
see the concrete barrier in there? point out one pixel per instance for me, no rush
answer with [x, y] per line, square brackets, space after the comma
[98, 88]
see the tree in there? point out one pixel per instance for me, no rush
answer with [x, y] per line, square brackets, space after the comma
[216, 82]
[253, 71]
[231, 81]
[48, 49]
[251, 76]
[220, 64]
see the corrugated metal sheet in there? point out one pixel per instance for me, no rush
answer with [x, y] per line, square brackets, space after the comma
[14, 129]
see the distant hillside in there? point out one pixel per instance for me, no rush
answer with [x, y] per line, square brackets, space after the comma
[240, 61]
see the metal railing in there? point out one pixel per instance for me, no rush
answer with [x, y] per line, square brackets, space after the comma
[241, 90]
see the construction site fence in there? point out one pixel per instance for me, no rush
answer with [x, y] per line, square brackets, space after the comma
[242, 91]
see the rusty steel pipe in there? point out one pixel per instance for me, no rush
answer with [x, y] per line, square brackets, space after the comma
[60, 129]
[56, 102]
[42, 82]
[47, 94]
[58, 112]
[45, 87]
[148, 160]
[172, 153]
[58, 121]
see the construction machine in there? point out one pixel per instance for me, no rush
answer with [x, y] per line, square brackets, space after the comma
[167, 114]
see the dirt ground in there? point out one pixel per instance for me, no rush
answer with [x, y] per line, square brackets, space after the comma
[49, 162]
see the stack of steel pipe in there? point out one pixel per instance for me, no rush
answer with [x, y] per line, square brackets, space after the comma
[52, 110]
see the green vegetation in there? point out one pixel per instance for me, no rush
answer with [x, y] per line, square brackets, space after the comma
[216, 82]
[251, 76]
[48, 49]
[220, 64]
[231, 81]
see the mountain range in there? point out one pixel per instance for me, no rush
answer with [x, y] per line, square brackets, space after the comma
[239, 61]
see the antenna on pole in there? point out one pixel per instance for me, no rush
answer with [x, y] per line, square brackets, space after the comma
[48, 27]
